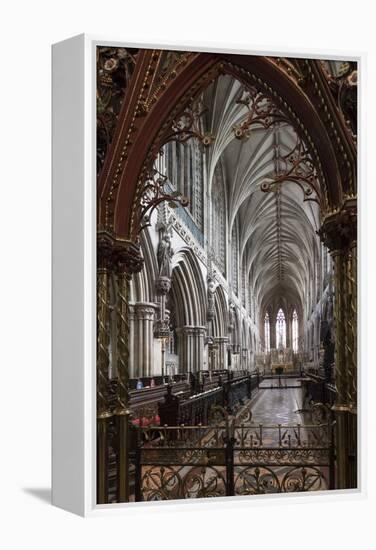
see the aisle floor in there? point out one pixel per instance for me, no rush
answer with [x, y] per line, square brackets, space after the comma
[278, 405]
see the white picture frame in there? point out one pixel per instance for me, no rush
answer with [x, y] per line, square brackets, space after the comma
[74, 279]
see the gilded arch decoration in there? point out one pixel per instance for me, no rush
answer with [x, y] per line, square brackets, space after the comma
[192, 72]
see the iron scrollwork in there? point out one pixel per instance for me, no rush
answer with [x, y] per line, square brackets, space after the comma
[153, 194]
[170, 483]
[208, 461]
[261, 112]
[262, 480]
[297, 167]
[187, 125]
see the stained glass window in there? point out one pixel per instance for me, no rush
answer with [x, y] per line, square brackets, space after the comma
[280, 329]
[267, 333]
[295, 332]
[197, 178]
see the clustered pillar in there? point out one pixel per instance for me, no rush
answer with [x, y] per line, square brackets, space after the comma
[121, 259]
[191, 346]
[339, 234]
[143, 338]
[221, 342]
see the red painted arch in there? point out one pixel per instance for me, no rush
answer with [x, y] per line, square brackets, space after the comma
[196, 69]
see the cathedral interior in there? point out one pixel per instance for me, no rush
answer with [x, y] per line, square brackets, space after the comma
[226, 275]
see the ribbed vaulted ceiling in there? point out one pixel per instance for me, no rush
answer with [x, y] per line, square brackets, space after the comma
[278, 240]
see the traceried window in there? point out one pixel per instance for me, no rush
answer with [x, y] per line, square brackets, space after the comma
[197, 184]
[160, 163]
[280, 328]
[169, 160]
[188, 169]
[173, 163]
[267, 332]
[295, 332]
[183, 165]
[178, 172]
[219, 220]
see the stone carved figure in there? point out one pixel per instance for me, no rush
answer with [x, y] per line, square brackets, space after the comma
[231, 316]
[211, 291]
[165, 253]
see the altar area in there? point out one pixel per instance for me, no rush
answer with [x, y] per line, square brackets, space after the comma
[281, 361]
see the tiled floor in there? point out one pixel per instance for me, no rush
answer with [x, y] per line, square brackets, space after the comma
[278, 406]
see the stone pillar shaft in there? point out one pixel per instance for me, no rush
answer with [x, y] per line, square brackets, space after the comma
[191, 348]
[221, 342]
[143, 327]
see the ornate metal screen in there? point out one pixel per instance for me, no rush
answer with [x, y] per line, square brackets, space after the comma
[207, 461]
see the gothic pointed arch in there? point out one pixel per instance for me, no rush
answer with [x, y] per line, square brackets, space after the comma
[295, 93]
[142, 284]
[221, 317]
[189, 289]
[219, 219]
[252, 161]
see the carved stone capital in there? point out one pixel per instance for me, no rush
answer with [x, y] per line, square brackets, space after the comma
[144, 311]
[104, 250]
[221, 339]
[339, 230]
[122, 255]
[185, 331]
[200, 331]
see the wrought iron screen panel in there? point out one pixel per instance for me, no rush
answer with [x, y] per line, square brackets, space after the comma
[182, 473]
[206, 461]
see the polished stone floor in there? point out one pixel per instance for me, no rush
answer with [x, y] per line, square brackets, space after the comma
[278, 405]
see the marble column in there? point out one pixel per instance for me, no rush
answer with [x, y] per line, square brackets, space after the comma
[143, 339]
[199, 339]
[191, 348]
[221, 342]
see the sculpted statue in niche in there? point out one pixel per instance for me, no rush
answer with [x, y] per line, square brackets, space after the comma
[165, 253]
[231, 316]
[211, 291]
